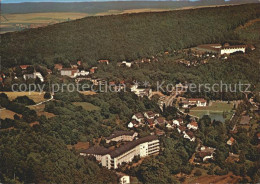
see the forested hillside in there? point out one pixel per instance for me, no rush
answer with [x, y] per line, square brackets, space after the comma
[121, 37]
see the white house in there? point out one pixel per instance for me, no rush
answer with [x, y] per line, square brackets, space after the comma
[138, 117]
[170, 125]
[70, 72]
[123, 178]
[128, 64]
[176, 122]
[193, 125]
[34, 75]
[189, 135]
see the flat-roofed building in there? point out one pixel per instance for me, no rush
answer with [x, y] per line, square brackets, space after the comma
[112, 159]
[121, 136]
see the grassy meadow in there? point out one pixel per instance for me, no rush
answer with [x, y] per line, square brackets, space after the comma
[35, 96]
[87, 106]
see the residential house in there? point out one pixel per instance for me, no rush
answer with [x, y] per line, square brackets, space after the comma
[24, 67]
[204, 154]
[104, 61]
[58, 66]
[232, 158]
[121, 136]
[193, 125]
[138, 117]
[231, 141]
[150, 123]
[49, 71]
[123, 178]
[189, 135]
[125, 63]
[79, 63]
[70, 72]
[170, 125]
[151, 115]
[33, 75]
[177, 122]
[160, 121]
[199, 102]
[134, 123]
[181, 129]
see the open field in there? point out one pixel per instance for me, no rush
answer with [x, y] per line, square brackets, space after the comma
[215, 110]
[7, 114]
[205, 179]
[216, 107]
[88, 92]
[35, 96]
[86, 106]
[16, 22]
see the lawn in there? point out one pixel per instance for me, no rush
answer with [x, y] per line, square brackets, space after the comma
[35, 96]
[7, 114]
[215, 109]
[87, 106]
[88, 92]
[13, 22]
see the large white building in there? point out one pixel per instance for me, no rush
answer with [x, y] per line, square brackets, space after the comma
[113, 159]
[233, 49]
[219, 49]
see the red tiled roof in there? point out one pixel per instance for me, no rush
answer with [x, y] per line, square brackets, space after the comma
[58, 66]
[24, 67]
[194, 123]
[197, 99]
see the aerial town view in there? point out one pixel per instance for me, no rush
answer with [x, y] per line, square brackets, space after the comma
[130, 91]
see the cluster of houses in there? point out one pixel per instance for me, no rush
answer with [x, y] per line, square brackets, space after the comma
[132, 147]
[33, 75]
[149, 118]
[204, 154]
[73, 71]
[186, 130]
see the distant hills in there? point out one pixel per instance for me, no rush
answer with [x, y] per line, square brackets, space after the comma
[98, 7]
[124, 37]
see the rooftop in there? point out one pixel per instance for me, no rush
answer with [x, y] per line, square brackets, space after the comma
[96, 150]
[119, 133]
[245, 120]
[131, 145]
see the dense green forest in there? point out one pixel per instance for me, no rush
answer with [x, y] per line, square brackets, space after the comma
[120, 37]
